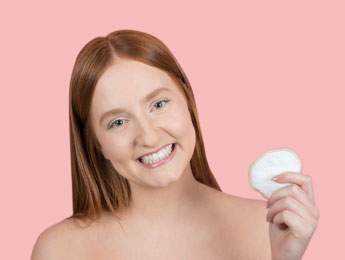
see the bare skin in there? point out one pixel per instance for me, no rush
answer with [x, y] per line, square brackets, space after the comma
[217, 226]
[172, 216]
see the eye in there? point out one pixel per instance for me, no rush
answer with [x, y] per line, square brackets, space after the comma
[160, 102]
[113, 124]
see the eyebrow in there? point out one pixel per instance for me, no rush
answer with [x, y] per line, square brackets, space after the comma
[120, 110]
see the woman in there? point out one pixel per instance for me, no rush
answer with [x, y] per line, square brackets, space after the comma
[142, 187]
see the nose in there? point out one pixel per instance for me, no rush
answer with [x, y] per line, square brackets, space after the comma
[147, 132]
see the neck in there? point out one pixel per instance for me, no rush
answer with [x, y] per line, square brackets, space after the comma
[165, 204]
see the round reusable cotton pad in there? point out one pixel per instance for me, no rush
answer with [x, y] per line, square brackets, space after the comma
[270, 164]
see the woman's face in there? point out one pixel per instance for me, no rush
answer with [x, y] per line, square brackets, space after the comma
[144, 124]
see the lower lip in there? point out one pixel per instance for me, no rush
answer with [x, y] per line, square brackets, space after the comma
[161, 162]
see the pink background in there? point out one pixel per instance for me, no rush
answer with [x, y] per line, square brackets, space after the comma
[266, 74]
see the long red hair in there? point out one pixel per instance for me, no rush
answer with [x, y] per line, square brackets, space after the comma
[96, 185]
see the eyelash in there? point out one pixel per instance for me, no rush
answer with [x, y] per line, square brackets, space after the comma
[111, 123]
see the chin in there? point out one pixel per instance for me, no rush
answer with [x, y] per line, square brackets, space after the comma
[165, 181]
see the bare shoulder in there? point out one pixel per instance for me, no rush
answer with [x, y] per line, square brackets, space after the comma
[256, 229]
[245, 220]
[57, 242]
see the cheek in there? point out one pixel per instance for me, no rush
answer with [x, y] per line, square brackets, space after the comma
[180, 124]
[116, 149]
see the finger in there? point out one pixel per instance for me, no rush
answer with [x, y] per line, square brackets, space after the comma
[298, 194]
[303, 180]
[297, 225]
[291, 204]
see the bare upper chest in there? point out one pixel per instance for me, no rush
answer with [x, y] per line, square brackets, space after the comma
[206, 242]
[202, 236]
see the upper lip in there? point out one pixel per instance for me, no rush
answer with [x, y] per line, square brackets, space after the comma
[155, 150]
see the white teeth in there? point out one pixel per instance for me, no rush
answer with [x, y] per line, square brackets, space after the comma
[165, 153]
[153, 158]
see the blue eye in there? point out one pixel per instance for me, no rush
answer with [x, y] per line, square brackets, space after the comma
[111, 124]
[160, 102]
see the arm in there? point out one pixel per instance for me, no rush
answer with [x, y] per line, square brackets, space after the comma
[259, 247]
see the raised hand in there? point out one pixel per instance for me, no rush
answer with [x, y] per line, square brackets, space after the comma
[293, 216]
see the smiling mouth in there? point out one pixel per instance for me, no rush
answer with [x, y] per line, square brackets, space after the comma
[140, 159]
[152, 164]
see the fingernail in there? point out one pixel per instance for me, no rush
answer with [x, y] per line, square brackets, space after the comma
[276, 178]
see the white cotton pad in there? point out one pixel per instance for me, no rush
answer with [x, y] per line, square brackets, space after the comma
[270, 164]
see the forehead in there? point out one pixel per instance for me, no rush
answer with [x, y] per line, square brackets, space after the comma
[129, 75]
[126, 82]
